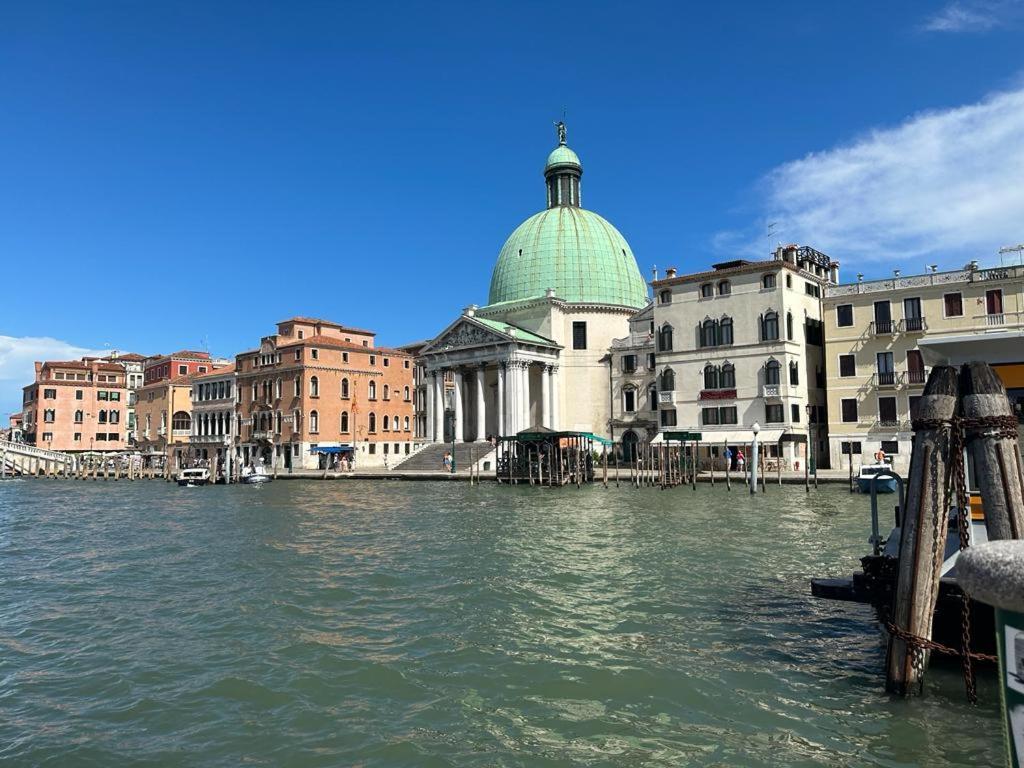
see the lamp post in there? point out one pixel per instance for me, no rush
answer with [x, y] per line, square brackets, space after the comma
[811, 436]
[754, 447]
[451, 405]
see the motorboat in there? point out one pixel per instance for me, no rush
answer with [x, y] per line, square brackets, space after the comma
[193, 477]
[878, 474]
[256, 475]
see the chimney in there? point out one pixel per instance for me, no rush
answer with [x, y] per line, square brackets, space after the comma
[670, 273]
[470, 311]
[549, 293]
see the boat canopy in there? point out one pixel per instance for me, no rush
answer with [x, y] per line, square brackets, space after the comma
[733, 437]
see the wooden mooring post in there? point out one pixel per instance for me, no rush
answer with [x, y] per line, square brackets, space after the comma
[991, 434]
[923, 537]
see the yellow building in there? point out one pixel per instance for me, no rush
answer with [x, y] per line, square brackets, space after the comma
[882, 336]
[163, 414]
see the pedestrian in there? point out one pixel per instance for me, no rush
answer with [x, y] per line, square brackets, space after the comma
[728, 457]
[741, 460]
[447, 463]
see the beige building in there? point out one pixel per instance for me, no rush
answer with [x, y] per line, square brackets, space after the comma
[741, 344]
[163, 413]
[878, 335]
[633, 391]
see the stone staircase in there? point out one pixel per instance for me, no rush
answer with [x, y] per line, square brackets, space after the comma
[22, 459]
[431, 458]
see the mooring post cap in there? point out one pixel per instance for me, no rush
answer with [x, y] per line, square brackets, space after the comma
[993, 573]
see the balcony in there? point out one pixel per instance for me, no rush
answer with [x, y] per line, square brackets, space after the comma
[882, 328]
[885, 379]
[667, 398]
[913, 325]
[917, 378]
[771, 391]
[181, 433]
[263, 434]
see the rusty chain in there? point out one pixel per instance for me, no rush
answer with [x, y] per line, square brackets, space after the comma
[963, 518]
[915, 641]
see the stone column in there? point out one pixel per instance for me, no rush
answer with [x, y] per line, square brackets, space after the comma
[524, 377]
[555, 416]
[438, 406]
[546, 395]
[481, 421]
[512, 397]
[501, 398]
[457, 423]
[429, 407]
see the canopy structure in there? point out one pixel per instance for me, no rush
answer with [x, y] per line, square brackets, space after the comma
[717, 437]
[547, 457]
[332, 449]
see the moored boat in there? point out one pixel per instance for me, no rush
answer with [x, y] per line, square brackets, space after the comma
[193, 477]
[256, 475]
[879, 474]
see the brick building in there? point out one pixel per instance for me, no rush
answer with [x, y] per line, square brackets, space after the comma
[317, 391]
[182, 363]
[75, 406]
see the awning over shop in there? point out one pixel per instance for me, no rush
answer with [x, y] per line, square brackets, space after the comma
[331, 449]
[732, 437]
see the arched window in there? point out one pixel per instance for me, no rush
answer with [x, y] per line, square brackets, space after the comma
[263, 422]
[79, 416]
[406, 423]
[314, 422]
[771, 372]
[725, 330]
[727, 380]
[768, 281]
[277, 389]
[344, 388]
[652, 397]
[406, 394]
[789, 326]
[668, 381]
[770, 326]
[665, 297]
[314, 387]
[387, 422]
[48, 416]
[724, 288]
[277, 422]
[255, 391]
[115, 417]
[710, 377]
[387, 393]
[373, 390]
[794, 373]
[709, 333]
[298, 386]
[181, 420]
[665, 338]
[373, 422]
[344, 421]
[296, 422]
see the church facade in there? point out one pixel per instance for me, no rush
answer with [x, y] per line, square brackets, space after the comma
[563, 288]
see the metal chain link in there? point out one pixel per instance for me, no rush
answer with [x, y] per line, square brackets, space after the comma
[917, 642]
[963, 517]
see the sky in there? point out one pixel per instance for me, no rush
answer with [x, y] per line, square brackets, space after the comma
[184, 175]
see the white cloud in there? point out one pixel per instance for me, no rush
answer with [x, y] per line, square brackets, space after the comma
[942, 184]
[977, 16]
[17, 363]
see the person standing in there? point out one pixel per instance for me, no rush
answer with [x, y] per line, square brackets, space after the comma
[741, 462]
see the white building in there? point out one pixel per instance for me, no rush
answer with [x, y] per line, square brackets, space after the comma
[742, 344]
[564, 286]
[214, 396]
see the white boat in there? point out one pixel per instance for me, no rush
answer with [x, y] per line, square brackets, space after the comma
[193, 477]
[869, 473]
[256, 475]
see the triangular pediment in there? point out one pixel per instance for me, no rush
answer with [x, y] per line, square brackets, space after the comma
[464, 333]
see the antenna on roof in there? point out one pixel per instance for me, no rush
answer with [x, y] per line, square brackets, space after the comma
[771, 231]
[1019, 248]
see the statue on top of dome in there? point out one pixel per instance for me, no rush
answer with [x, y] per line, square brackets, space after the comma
[560, 127]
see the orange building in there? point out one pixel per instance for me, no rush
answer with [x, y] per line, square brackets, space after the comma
[183, 363]
[317, 394]
[76, 406]
[163, 415]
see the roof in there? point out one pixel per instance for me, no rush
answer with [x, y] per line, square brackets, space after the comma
[742, 268]
[574, 252]
[321, 321]
[131, 356]
[322, 340]
[520, 334]
[217, 372]
[81, 364]
[562, 155]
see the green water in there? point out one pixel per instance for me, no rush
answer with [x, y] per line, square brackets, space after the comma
[429, 624]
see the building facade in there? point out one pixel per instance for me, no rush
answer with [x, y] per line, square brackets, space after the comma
[183, 363]
[317, 392]
[214, 399]
[741, 344]
[883, 335]
[164, 415]
[76, 406]
[133, 365]
[633, 391]
[564, 286]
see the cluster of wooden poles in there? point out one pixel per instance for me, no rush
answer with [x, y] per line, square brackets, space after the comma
[961, 410]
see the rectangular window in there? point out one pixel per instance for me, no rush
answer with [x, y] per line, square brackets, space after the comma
[579, 335]
[883, 317]
[101, 436]
[709, 416]
[629, 363]
[115, 436]
[49, 394]
[182, 370]
[890, 446]
[915, 403]
[794, 413]
[101, 394]
[844, 315]
[994, 301]
[629, 400]
[116, 396]
[849, 409]
[78, 394]
[773, 413]
[650, 361]
[373, 359]
[847, 365]
[887, 410]
[47, 436]
[668, 417]
[727, 414]
[344, 357]
[812, 290]
[387, 362]
[953, 304]
[794, 374]
[78, 437]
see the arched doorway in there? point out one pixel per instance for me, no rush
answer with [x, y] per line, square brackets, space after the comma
[629, 446]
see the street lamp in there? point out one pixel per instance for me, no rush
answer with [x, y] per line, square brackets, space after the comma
[811, 436]
[754, 447]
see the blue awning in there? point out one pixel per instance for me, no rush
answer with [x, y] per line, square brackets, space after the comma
[332, 449]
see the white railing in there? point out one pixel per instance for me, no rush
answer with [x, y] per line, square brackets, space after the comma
[181, 432]
[667, 398]
[771, 391]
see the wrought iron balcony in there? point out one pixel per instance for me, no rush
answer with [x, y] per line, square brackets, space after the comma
[913, 325]
[886, 379]
[917, 378]
[882, 328]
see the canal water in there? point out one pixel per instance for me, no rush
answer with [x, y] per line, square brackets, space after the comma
[368, 624]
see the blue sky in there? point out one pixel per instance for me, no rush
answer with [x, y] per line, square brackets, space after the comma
[186, 174]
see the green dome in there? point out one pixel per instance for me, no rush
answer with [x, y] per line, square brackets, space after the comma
[562, 155]
[575, 252]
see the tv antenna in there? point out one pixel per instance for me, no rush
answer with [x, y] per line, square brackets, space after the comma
[1019, 249]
